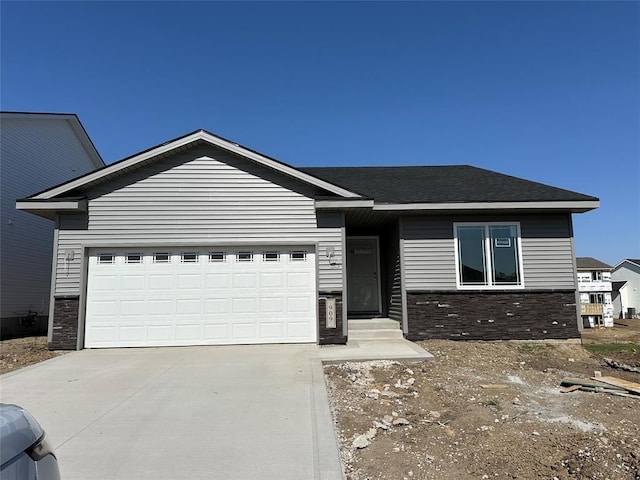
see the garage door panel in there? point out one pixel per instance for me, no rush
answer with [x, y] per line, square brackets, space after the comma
[217, 281]
[200, 296]
[161, 282]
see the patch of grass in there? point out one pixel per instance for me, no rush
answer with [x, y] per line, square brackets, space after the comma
[534, 348]
[603, 348]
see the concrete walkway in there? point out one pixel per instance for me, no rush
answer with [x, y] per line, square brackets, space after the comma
[228, 412]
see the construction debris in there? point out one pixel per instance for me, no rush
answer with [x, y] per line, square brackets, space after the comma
[621, 366]
[610, 385]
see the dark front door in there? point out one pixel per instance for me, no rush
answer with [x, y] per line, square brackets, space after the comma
[363, 279]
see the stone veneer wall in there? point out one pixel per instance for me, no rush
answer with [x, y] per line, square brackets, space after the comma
[482, 315]
[65, 323]
[328, 336]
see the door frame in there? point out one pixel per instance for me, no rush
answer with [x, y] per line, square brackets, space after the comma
[378, 273]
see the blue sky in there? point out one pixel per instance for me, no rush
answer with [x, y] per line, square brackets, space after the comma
[548, 91]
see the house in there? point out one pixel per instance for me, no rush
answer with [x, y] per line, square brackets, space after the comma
[626, 278]
[36, 151]
[203, 241]
[594, 285]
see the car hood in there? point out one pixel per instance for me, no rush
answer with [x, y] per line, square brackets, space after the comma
[18, 431]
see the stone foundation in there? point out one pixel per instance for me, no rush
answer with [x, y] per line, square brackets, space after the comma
[65, 323]
[329, 336]
[482, 315]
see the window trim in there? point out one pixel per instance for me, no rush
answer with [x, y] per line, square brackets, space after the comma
[157, 261]
[217, 256]
[189, 260]
[105, 254]
[488, 256]
[302, 256]
[134, 254]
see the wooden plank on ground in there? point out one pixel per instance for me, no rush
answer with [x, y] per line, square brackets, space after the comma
[572, 388]
[624, 384]
[585, 382]
[494, 385]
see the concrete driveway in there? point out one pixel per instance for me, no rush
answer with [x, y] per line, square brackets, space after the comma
[236, 412]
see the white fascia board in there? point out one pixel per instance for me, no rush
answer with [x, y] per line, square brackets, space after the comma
[64, 205]
[578, 206]
[181, 142]
[344, 203]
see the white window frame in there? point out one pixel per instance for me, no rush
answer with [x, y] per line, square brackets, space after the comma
[240, 254]
[217, 256]
[268, 253]
[134, 254]
[100, 256]
[488, 260]
[157, 261]
[301, 253]
[189, 257]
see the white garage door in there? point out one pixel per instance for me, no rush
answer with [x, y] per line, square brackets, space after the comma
[190, 296]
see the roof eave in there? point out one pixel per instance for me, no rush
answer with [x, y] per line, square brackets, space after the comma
[578, 206]
[49, 209]
[184, 141]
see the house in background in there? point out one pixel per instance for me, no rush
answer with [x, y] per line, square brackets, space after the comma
[626, 278]
[594, 285]
[201, 241]
[37, 150]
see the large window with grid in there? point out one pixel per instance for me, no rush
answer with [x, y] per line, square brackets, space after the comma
[488, 255]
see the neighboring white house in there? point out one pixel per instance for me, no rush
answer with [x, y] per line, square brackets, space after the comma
[36, 151]
[594, 285]
[626, 276]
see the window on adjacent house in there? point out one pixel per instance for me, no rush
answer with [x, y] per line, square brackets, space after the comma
[104, 258]
[596, 276]
[161, 258]
[488, 255]
[596, 298]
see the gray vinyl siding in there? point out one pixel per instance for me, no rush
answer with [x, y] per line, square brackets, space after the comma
[429, 253]
[395, 296]
[193, 199]
[35, 154]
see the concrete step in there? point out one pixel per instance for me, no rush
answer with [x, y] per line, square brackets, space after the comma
[374, 329]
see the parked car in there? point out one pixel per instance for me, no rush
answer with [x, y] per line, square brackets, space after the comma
[25, 453]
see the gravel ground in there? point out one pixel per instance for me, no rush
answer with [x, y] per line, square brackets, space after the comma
[484, 410]
[22, 352]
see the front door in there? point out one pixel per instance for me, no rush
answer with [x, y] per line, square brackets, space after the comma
[363, 280]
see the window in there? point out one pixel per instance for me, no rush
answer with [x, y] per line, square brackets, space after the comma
[298, 256]
[133, 258]
[217, 257]
[189, 257]
[106, 258]
[596, 276]
[161, 258]
[245, 256]
[488, 255]
[271, 256]
[596, 298]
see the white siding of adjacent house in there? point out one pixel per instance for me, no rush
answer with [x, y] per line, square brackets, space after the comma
[429, 253]
[35, 154]
[199, 197]
[630, 294]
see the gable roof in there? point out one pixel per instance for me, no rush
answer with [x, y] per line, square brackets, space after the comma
[635, 261]
[434, 188]
[442, 184]
[178, 144]
[73, 121]
[589, 263]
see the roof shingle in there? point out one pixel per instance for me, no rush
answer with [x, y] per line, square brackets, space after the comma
[441, 184]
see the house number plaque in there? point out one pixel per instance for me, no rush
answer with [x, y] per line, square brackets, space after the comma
[330, 312]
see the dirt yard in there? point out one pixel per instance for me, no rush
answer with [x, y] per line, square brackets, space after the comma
[486, 410]
[21, 352]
